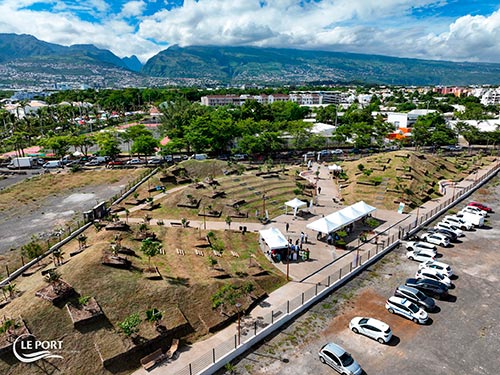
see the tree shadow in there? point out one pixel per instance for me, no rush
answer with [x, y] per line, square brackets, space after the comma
[184, 281]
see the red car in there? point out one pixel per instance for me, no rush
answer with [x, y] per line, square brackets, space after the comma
[480, 206]
[114, 162]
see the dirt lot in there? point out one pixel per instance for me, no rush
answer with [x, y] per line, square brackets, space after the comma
[41, 208]
[462, 336]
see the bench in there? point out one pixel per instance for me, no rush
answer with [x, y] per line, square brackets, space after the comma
[216, 253]
[180, 252]
[151, 360]
[199, 253]
[235, 254]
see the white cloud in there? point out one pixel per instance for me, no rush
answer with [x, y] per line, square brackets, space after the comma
[133, 9]
[365, 26]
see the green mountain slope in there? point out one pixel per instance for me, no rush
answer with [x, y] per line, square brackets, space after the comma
[288, 66]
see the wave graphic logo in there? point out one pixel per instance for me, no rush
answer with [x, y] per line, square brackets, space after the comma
[21, 345]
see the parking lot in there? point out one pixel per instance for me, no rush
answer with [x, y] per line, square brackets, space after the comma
[461, 337]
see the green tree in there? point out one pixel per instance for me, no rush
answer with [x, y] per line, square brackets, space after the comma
[108, 144]
[145, 145]
[59, 144]
[150, 248]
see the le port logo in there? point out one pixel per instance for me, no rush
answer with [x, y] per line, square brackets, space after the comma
[28, 349]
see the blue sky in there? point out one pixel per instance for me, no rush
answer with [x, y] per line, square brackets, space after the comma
[457, 30]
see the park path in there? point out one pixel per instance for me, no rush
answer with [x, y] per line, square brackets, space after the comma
[303, 274]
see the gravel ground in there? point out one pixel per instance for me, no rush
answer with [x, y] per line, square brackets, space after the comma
[19, 224]
[462, 336]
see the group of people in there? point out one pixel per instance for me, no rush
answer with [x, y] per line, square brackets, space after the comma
[294, 251]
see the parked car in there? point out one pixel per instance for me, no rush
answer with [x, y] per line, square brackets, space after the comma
[433, 274]
[406, 308]
[92, 163]
[474, 210]
[452, 236]
[112, 163]
[421, 255]
[154, 161]
[432, 288]
[372, 328]
[480, 206]
[452, 228]
[416, 296]
[418, 245]
[436, 238]
[444, 268]
[52, 164]
[474, 218]
[341, 361]
[337, 151]
[458, 222]
[324, 153]
[134, 161]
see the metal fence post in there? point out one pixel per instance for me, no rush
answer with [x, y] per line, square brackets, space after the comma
[302, 298]
[316, 289]
[340, 273]
[287, 306]
[255, 328]
[213, 355]
[272, 317]
[328, 280]
[190, 370]
[235, 341]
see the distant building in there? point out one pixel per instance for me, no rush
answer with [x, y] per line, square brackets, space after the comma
[491, 97]
[406, 120]
[238, 100]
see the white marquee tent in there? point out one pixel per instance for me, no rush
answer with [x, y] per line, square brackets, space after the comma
[295, 203]
[342, 218]
[273, 238]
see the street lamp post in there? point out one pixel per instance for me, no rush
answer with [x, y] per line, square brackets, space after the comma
[238, 306]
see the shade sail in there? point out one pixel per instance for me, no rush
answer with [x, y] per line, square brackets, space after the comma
[273, 238]
[341, 218]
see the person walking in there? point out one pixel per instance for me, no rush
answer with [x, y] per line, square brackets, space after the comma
[287, 226]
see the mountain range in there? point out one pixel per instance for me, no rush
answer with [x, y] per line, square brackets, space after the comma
[25, 60]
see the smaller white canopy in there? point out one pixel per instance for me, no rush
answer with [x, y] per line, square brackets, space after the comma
[273, 238]
[295, 203]
[334, 167]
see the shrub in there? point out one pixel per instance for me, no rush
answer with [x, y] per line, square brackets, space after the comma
[361, 167]
[131, 324]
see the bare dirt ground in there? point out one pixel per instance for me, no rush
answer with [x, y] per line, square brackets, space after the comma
[462, 336]
[20, 222]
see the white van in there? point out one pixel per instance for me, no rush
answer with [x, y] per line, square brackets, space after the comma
[53, 164]
[476, 219]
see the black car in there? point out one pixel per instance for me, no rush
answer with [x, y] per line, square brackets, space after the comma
[416, 296]
[448, 233]
[432, 288]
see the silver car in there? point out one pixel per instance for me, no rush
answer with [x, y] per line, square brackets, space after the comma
[336, 357]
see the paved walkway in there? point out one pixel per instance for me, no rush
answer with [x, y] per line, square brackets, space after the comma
[303, 274]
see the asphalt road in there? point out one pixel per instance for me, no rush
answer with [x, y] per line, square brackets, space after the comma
[462, 336]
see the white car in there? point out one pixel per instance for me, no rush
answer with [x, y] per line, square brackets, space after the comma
[419, 245]
[401, 306]
[449, 227]
[341, 361]
[134, 161]
[421, 255]
[458, 222]
[474, 210]
[444, 268]
[436, 238]
[373, 328]
[433, 274]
